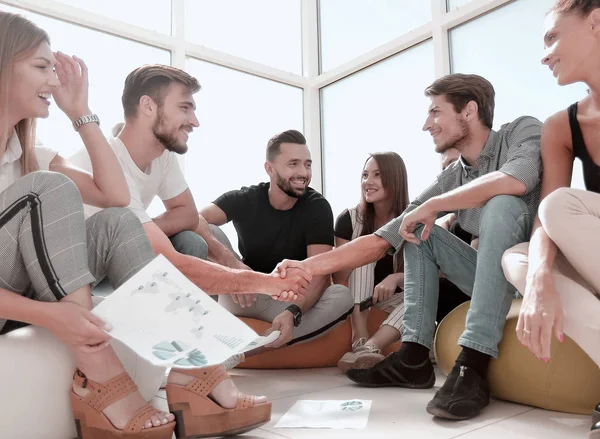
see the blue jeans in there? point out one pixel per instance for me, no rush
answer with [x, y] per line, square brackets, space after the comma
[505, 222]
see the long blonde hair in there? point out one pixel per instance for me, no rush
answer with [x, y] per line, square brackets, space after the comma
[18, 38]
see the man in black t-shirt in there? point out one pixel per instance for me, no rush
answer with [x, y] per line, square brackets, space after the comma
[282, 219]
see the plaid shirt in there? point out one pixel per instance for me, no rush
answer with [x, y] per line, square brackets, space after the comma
[514, 151]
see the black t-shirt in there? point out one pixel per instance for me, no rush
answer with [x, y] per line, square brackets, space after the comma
[343, 229]
[266, 235]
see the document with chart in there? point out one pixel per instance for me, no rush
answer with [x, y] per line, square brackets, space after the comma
[169, 321]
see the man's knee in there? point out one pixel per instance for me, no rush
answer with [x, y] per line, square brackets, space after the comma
[504, 213]
[339, 297]
[190, 243]
[220, 236]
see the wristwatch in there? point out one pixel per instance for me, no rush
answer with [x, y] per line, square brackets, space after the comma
[296, 313]
[88, 118]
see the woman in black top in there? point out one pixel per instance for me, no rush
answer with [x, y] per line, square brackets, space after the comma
[557, 272]
[384, 196]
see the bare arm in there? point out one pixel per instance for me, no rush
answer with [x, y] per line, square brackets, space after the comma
[94, 188]
[319, 283]
[356, 253]
[217, 252]
[181, 214]
[341, 277]
[106, 186]
[216, 279]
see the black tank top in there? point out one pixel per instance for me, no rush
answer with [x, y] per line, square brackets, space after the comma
[591, 171]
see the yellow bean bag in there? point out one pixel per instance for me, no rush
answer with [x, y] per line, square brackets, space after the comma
[324, 351]
[570, 382]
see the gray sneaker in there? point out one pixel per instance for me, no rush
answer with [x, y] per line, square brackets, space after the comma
[363, 356]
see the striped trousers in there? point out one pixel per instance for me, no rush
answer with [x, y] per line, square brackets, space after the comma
[48, 249]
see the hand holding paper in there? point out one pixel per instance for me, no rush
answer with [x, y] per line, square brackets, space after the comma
[168, 320]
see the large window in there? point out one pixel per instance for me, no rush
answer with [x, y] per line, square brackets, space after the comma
[455, 4]
[381, 108]
[350, 28]
[357, 104]
[265, 31]
[238, 114]
[109, 60]
[512, 63]
[156, 18]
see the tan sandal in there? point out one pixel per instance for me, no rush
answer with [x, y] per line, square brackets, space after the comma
[91, 423]
[198, 415]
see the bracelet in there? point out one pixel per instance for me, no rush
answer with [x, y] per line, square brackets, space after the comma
[88, 118]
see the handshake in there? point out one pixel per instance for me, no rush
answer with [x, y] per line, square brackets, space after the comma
[289, 281]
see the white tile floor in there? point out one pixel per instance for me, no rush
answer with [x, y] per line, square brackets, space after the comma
[395, 413]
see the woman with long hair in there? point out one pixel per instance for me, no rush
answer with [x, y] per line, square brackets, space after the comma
[50, 255]
[384, 196]
[556, 271]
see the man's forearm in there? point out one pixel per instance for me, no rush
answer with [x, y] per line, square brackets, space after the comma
[214, 278]
[356, 253]
[177, 220]
[478, 192]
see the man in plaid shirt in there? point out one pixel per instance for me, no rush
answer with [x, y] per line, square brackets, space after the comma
[493, 188]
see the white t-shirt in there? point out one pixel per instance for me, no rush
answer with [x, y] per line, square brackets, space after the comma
[163, 178]
[10, 164]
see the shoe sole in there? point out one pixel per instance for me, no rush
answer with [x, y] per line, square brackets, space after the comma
[444, 414]
[365, 361]
[427, 385]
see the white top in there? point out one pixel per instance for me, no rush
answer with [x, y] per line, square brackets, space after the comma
[163, 178]
[10, 164]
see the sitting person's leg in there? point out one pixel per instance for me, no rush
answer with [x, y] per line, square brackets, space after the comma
[333, 307]
[118, 248]
[576, 278]
[44, 233]
[505, 222]
[368, 352]
[411, 367]
[190, 243]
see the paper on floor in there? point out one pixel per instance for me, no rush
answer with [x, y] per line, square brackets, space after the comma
[169, 321]
[336, 414]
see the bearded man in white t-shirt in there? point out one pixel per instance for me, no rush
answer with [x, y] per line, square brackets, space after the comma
[159, 111]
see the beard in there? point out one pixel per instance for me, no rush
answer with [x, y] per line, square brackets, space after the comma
[458, 140]
[168, 138]
[286, 187]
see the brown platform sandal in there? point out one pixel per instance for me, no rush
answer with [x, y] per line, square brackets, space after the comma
[91, 423]
[198, 415]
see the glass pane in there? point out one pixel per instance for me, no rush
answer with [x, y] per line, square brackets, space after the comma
[350, 28]
[136, 12]
[381, 108]
[238, 114]
[109, 60]
[455, 4]
[265, 31]
[511, 61]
